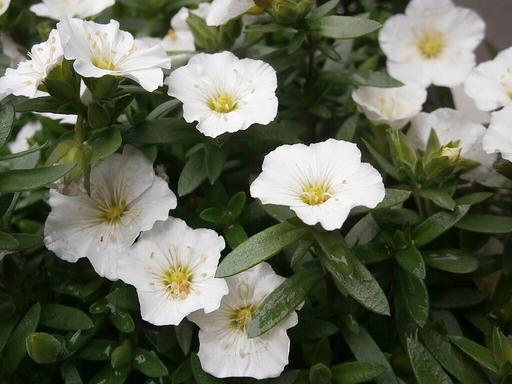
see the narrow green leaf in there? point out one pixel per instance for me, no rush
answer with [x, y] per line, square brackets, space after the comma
[439, 197]
[6, 121]
[473, 198]
[451, 260]
[348, 128]
[426, 369]
[343, 27]
[70, 374]
[97, 350]
[214, 158]
[43, 348]
[335, 250]
[478, 353]
[381, 161]
[260, 247]
[459, 297]
[163, 109]
[374, 79]
[415, 296]
[124, 297]
[312, 329]
[8, 242]
[437, 224]
[282, 301]
[324, 9]
[355, 372]
[184, 334]
[163, 131]
[411, 260]
[320, 374]
[193, 174]
[65, 318]
[392, 198]
[501, 348]
[17, 155]
[148, 363]
[29, 179]
[485, 224]
[105, 145]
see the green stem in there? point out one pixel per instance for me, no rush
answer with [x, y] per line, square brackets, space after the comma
[79, 130]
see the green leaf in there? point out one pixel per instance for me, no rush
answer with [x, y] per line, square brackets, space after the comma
[65, 318]
[501, 348]
[109, 375]
[260, 247]
[478, 353]
[235, 235]
[28, 179]
[437, 224]
[381, 161]
[415, 296]
[365, 349]
[485, 224]
[70, 373]
[426, 369]
[348, 128]
[193, 174]
[105, 145]
[97, 116]
[312, 329]
[320, 374]
[6, 120]
[411, 260]
[451, 358]
[97, 350]
[355, 372]
[439, 197]
[15, 348]
[214, 158]
[282, 301]
[451, 260]
[374, 79]
[200, 376]
[124, 297]
[360, 284]
[122, 355]
[343, 27]
[43, 348]
[336, 251]
[324, 9]
[8, 242]
[184, 334]
[121, 319]
[148, 363]
[459, 297]
[163, 109]
[474, 198]
[392, 198]
[163, 131]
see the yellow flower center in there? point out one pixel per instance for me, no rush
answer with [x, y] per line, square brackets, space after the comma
[222, 103]
[171, 35]
[509, 94]
[315, 194]
[113, 212]
[103, 63]
[177, 281]
[431, 44]
[241, 317]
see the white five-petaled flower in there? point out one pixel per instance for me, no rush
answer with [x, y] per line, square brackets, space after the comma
[490, 83]
[26, 132]
[391, 106]
[103, 49]
[452, 125]
[58, 9]
[173, 267]
[126, 198]
[432, 43]
[321, 182]
[225, 350]
[4, 5]
[499, 135]
[225, 94]
[221, 11]
[28, 76]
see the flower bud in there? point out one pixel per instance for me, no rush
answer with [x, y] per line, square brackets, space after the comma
[452, 153]
[289, 11]
[69, 151]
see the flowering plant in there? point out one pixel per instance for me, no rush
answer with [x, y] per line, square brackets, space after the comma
[239, 191]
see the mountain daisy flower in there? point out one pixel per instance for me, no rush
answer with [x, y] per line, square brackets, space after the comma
[221, 11]
[173, 269]
[499, 135]
[57, 9]
[26, 132]
[126, 198]
[451, 125]
[103, 49]
[321, 182]
[28, 76]
[4, 5]
[390, 106]
[432, 43]
[225, 350]
[490, 83]
[225, 94]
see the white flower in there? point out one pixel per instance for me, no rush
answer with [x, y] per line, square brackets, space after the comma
[173, 268]
[126, 199]
[61, 118]
[225, 349]
[4, 5]
[58, 9]
[26, 132]
[103, 49]
[391, 106]
[452, 125]
[432, 43]
[221, 11]
[490, 83]
[28, 76]
[321, 182]
[224, 93]
[499, 135]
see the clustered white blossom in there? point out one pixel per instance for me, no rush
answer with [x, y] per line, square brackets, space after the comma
[123, 225]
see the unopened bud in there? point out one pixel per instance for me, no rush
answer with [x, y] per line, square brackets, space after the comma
[289, 11]
[452, 153]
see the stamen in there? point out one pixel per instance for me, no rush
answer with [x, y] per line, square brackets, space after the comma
[222, 103]
[315, 194]
[431, 44]
[241, 317]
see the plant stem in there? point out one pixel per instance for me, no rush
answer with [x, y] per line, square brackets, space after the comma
[79, 130]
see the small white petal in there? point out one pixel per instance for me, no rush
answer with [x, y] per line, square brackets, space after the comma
[498, 137]
[58, 9]
[221, 11]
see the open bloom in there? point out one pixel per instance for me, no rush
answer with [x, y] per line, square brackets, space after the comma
[28, 76]
[451, 125]
[321, 182]
[490, 83]
[391, 106]
[26, 132]
[225, 349]
[4, 5]
[173, 268]
[221, 11]
[57, 9]
[103, 49]
[126, 198]
[432, 43]
[224, 93]
[499, 135]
